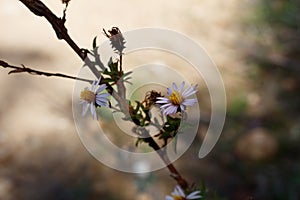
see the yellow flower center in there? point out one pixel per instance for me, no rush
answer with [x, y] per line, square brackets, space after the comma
[87, 95]
[175, 197]
[176, 98]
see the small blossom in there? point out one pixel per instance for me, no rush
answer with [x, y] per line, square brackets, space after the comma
[178, 194]
[177, 99]
[92, 98]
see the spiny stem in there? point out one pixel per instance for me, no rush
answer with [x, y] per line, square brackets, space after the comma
[120, 83]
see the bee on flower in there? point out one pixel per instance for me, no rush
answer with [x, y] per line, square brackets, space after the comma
[91, 98]
[178, 194]
[177, 99]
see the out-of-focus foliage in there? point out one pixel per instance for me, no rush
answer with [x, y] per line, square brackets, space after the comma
[260, 145]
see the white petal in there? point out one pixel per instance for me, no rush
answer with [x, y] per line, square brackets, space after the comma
[194, 195]
[93, 111]
[103, 95]
[189, 91]
[180, 191]
[166, 105]
[169, 198]
[160, 98]
[101, 88]
[169, 91]
[93, 86]
[182, 107]
[163, 100]
[101, 99]
[101, 102]
[175, 86]
[174, 110]
[85, 108]
[175, 193]
[98, 81]
[181, 86]
[189, 102]
[171, 110]
[167, 110]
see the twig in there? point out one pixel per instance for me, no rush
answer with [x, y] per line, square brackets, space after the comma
[174, 172]
[40, 9]
[58, 24]
[24, 69]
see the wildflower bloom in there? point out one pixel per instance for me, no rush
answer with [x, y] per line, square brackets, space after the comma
[92, 98]
[178, 194]
[177, 99]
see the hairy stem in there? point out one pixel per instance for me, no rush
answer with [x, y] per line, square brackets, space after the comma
[120, 83]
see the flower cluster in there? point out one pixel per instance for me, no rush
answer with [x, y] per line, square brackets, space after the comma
[178, 194]
[93, 98]
[177, 99]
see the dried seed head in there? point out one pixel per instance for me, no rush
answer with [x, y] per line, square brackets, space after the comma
[150, 97]
[116, 38]
[65, 1]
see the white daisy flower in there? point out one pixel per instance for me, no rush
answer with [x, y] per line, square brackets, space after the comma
[92, 98]
[177, 99]
[178, 194]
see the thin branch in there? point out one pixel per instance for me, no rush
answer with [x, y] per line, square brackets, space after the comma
[121, 62]
[174, 172]
[40, 9]
[24, 69]
[58, 24]
[64, 18]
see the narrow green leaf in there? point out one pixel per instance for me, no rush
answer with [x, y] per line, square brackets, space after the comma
[95, 42]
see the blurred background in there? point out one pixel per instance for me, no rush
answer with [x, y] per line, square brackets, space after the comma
[255, 44]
